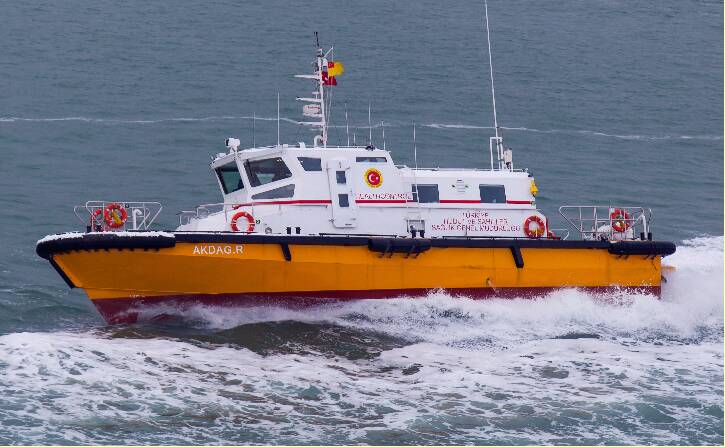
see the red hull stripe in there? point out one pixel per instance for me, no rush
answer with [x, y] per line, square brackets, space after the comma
[383, 201]
[510, 202]
[285, 202]
[459, 201]
[328, 202]
[126, 310]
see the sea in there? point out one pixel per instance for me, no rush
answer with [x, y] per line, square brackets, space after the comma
[604, 101]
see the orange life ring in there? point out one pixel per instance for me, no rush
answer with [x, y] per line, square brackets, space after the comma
[538, 230]
[620, 220]
[246, 215]
[112, 218]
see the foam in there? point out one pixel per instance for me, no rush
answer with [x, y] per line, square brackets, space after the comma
[452, 126]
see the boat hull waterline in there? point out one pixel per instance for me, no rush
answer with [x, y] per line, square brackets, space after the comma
[132, 274]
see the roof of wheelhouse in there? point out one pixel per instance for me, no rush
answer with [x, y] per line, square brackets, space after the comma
[257, 152]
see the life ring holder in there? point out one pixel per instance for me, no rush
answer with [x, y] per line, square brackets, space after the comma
[96, 220]
[111, 219]
[237, 216]
[620, 220]
[537, 232]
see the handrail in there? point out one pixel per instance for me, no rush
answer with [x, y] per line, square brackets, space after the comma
[608, 222]
[140, 214]
[204, 210]
[561, 233]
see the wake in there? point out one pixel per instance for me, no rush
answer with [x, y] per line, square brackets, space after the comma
[452, 126]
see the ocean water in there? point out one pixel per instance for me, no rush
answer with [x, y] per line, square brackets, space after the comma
[605, 102]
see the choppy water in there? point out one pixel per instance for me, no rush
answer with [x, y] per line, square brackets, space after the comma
[604, 101]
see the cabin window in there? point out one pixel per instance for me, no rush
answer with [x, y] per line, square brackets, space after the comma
[229, 177]
[492, 193]
[343, 200]
[426, 194]
[341, 179]
[371, 160]
[310, 163]
[277, 193]
[261, 172]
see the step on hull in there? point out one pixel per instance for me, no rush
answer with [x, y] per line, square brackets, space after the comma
[145, 273]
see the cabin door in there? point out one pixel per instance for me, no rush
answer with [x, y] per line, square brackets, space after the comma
[344, 209]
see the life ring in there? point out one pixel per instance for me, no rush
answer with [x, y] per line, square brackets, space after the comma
[538, 230]
[620, 220]
[246, 215]
[115, 215]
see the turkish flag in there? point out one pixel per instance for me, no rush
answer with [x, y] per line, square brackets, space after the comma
[328, 80]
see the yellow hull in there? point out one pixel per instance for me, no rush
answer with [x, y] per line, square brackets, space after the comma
[232, 271]
[262, 269]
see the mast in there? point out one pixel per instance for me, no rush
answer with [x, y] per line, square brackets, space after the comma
[321, 90]
[317, 108]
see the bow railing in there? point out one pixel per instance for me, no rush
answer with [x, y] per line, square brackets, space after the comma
[101, 215]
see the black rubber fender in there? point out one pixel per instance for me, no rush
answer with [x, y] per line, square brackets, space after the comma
[644, 248]
[399, 245]
[104, 241]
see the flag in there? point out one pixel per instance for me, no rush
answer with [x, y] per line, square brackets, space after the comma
[328, 80]
[335, 68]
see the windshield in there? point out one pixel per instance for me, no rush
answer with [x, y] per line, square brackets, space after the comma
[261, 172]
[229, 177]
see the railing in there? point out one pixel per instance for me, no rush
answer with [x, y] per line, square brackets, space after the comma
[227, 209]
[139, 215]
[202, 211]
[599, 222]
[560, 233]
[402, 166]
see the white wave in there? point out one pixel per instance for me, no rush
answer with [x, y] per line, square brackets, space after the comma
[74, 383]
[595, 133]
[454, 126]
[135, 121]
[457, 126]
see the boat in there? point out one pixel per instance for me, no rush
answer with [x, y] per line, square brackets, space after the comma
[308, 224]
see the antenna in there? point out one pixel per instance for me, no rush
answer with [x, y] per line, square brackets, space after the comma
[382, 126]
[254, 122]
[490, 66]
[493, 93]
[415, 161]
[370, 125]
[415, 151]
[347, 126]
[317, 39]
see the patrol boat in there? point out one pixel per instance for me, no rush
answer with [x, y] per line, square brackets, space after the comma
[301, 225]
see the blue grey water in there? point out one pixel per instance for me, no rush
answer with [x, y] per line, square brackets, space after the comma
[604, 101]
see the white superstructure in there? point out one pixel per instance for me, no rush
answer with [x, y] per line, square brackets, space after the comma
[321, 189]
